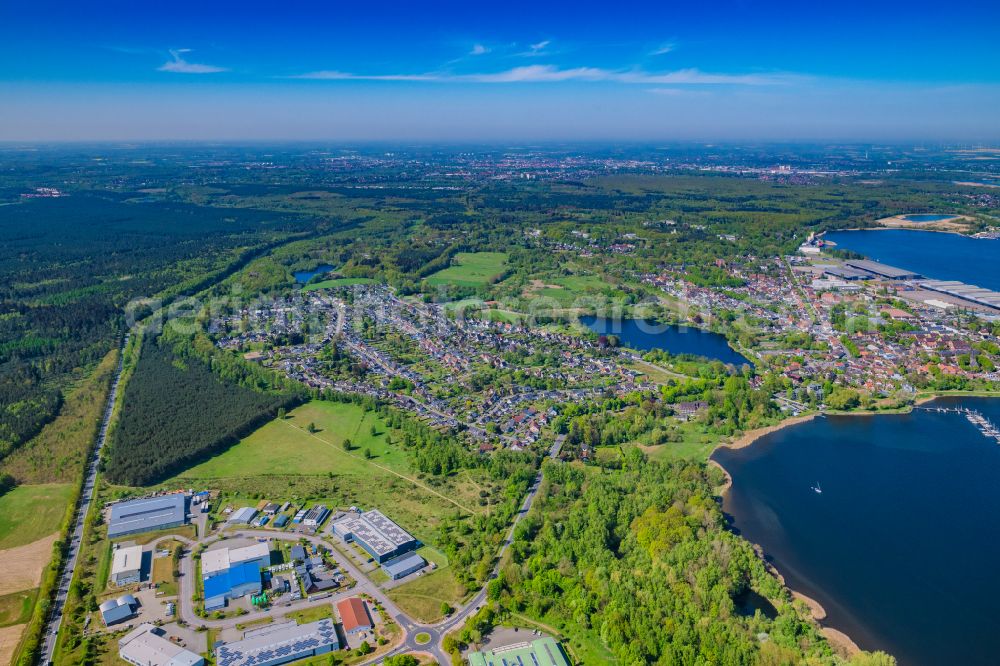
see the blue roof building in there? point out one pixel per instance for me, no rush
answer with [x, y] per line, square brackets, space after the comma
[239, 580]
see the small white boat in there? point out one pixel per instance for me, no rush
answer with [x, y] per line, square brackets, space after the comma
[817, 489]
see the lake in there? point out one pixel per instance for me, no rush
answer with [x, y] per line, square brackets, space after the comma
[902, 545]
[304, 276]
[645, 335]
[935, 255]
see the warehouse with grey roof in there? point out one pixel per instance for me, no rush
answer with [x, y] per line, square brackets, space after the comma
[279, 644]
[145, 515]
[379, 536]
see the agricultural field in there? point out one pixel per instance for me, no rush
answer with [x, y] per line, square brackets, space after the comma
[566, 290]
[15, 608]
[471, 269]
[30, 513]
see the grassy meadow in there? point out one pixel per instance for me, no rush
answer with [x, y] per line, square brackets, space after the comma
[29, 513]
[471, 269]
[284, 461]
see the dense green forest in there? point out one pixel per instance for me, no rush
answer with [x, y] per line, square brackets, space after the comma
[177, 410]
[69, 266]
[641, 561]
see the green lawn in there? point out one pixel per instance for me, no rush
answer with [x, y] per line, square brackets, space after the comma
[336, 282]
[29, 513]
[471, 269]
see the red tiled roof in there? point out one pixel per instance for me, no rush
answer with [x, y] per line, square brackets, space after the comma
[353, 614]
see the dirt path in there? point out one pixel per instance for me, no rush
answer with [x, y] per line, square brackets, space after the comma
[23, 565]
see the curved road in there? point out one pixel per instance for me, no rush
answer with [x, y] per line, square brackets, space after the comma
[54, 620]
[411, 628]
[439, 630]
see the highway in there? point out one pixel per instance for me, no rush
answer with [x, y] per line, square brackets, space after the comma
[54, 621]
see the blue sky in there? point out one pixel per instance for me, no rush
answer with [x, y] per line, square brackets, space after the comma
[469, 71]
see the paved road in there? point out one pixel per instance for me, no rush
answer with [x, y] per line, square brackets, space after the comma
[433, 633]
[54, 621]
[439, 630]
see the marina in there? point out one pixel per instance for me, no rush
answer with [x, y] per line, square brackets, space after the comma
[983, 424]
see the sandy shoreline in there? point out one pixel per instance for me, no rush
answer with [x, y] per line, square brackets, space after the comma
[916, 227]
[841, 642]
[751, 436]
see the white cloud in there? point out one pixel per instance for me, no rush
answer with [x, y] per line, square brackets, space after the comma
[334, 75]
[478, 49]
[555, 74]
[179, 65]
[539, 74]
[536, 49]
[663, 49]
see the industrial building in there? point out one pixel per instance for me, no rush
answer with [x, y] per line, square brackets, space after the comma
[882, 270]
[966, 292]
[146, 646]
[354, 616]
[126, 565]
[379, 536]
[144, 515]
[315, 516]
[847, 273]
[230, 573]
[279, 644]
[242, 515]
[541, 652]
[118, 610]
[403, 566]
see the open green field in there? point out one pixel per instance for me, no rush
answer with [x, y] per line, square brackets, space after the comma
[286, 447]
[29, 513]
[15, 608]
[471, 269]
[336, 282]
[283, 461]
[567, 290]
[422, 596]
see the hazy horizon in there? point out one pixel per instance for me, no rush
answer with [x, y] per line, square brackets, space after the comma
[563, 72]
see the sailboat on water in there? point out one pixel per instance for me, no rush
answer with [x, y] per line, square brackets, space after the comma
[817, 489]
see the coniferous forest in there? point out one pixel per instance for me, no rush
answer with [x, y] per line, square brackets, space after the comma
[177, 410]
